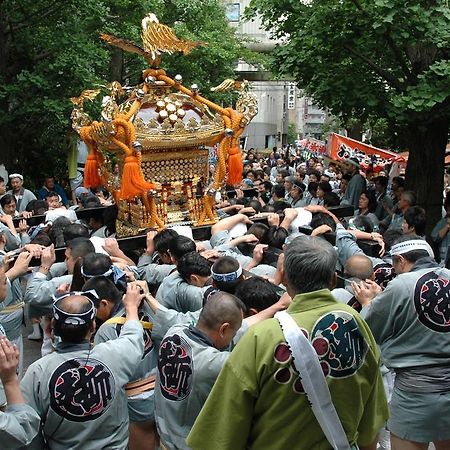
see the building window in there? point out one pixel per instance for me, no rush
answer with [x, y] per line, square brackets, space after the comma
[232, 11]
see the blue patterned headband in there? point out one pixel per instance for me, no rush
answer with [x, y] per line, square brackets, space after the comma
[232, 276]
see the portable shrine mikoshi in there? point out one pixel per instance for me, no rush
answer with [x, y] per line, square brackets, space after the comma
[159, 132]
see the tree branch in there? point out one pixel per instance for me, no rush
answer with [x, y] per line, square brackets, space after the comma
[358, 5]
[399, 56]
[390, 79]
[38, 15]
[41, 56]
[392, 45]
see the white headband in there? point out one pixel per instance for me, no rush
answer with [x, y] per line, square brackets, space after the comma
[86, 275]
[409, 246]
[16, 175]
[232, 276]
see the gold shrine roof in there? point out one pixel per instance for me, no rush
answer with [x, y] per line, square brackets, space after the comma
[161, 114]
[168, 120]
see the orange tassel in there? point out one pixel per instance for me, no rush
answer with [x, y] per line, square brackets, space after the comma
[133, 182]
[91, 176]
[235, 166]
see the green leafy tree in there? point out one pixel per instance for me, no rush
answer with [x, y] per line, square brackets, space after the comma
[50, 51]
[203, 20]
[46, 53]
[378, 133]
[386, 59]
[292, 132]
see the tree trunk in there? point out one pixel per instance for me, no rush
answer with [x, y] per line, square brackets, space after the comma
[425, 169]
[355, 130]
[116, 65]
[6, 136]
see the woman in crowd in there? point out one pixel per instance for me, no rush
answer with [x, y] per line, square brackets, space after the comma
[366, 207]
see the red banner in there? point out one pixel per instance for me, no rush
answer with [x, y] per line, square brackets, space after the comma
[313, 145]
[341, 148]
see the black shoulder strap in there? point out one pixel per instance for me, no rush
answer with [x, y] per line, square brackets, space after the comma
[353, 302]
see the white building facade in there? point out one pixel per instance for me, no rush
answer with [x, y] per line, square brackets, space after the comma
[279, 101]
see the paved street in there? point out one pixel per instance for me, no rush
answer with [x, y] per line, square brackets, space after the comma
[32, 349]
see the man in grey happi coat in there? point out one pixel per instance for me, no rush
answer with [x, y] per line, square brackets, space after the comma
[11, 305]
[43, 285]
[23, 196]
[190, 359]
[79, 390]
[19, 424]
[140, 390]
[410, 320]
[174, 292]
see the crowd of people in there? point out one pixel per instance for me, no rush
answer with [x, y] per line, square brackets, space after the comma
[341, 341]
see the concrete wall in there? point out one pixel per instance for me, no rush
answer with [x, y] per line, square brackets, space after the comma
[270, 126]
[271, 120]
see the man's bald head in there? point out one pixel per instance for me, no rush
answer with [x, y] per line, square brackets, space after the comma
[74, 318]
[74, 304]
[359, 266]
[222, 307]
[220, 318]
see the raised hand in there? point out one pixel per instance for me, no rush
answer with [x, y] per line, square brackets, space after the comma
[111, 246]
[48, 256]
[273, 220]
[247, 210]
[322, 229]
[63, 289]
[258, 252]
[210, 254]
[23, 226]
[9, 360]
[21, 266]
[365, 291]
[132, 300]
[26, 214]
[149, 241]
[249, 239]
[34, 249]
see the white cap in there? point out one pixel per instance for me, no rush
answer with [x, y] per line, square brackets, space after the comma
[409, 246]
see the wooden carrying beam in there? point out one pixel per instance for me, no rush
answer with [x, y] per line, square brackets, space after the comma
[82, 214]
[86, 213]
[200, 233]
